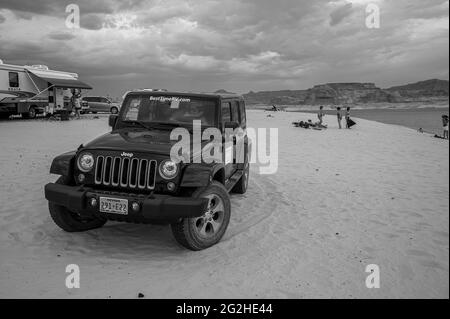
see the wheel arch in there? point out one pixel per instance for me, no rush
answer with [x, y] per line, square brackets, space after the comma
[63, 164]
[219, 175]
[200, 175]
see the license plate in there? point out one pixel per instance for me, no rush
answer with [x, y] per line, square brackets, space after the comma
[114, 205]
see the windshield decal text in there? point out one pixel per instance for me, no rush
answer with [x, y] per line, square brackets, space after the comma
[169, 99]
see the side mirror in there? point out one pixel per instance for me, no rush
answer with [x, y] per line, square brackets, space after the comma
[232, 125]
[112, 120]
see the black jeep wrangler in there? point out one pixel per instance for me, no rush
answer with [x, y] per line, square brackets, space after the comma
[131, 175]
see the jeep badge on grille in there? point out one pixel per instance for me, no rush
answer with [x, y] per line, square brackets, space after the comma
[127, 154]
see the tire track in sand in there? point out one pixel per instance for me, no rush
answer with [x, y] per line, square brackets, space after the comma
[259, 203]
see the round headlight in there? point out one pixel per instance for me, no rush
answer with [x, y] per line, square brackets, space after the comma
[168, 169]
[86, 162]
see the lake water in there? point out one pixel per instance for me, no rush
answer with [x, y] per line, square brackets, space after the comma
[429, 119]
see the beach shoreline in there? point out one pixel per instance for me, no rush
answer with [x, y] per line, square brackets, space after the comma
[427, 118]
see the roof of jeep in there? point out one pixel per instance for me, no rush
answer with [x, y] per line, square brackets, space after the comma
[192, 94]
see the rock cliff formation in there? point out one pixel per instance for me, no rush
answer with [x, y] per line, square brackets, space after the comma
[352, 93]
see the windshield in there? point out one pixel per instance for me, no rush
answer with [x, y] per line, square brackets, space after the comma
[169, 109]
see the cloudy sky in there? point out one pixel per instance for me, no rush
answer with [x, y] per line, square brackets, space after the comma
[229, 44]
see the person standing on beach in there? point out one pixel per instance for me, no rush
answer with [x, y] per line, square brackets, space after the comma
[321, 114]
[76, 102]
[347, 117]
[339, 116]
[445, 125]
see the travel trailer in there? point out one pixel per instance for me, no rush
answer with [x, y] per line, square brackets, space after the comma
[32, 89]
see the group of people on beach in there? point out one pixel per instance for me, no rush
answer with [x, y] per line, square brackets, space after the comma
[348, 121]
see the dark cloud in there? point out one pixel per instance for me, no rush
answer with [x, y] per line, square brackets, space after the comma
[23, 15]
[91, 21]
[132, 4]
[37, 6]
[263, 15]
[61, 36]
[157, 15]
[57, 7]
[340, 13]
[27, 53]
[2, 18]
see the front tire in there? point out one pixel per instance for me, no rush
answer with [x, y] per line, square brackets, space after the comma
[70, 221]
[114, 110]
[199, 233]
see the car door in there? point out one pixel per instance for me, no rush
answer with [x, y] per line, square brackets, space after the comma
[227, 150]
[93, 104]
[238, 116]
[104, 105]
[247, 143]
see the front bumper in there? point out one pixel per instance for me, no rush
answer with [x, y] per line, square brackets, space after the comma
[153, 208]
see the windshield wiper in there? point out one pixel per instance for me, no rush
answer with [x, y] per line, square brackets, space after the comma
[142, 124]
[166, 124]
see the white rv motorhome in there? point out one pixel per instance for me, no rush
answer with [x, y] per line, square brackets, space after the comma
[32, 89]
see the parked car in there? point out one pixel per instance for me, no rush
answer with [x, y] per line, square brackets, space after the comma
[96, 104]
[128, 174]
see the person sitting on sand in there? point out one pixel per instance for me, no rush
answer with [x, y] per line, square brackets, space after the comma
[339, 116]
[445, 125]
[321, 114]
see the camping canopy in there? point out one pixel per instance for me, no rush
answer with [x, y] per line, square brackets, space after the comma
[60, 79]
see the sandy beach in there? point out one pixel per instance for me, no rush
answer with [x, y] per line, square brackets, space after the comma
[340, 200]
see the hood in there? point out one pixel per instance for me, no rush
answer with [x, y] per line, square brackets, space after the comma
[138, 141]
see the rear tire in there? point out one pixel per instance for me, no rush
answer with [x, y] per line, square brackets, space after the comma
[199, 233]
[71, 221]
[31, 113]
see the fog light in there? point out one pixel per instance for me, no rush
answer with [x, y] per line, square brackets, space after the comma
[93, 202]
[170, 186]
[81, 178]
[135, 206]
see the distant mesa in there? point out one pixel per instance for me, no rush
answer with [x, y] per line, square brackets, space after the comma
[429, 88]
[353, 93]
[223, 91]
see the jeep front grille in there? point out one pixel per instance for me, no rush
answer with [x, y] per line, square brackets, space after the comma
[125, 172]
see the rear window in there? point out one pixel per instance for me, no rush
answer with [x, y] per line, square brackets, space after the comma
[169, 109]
